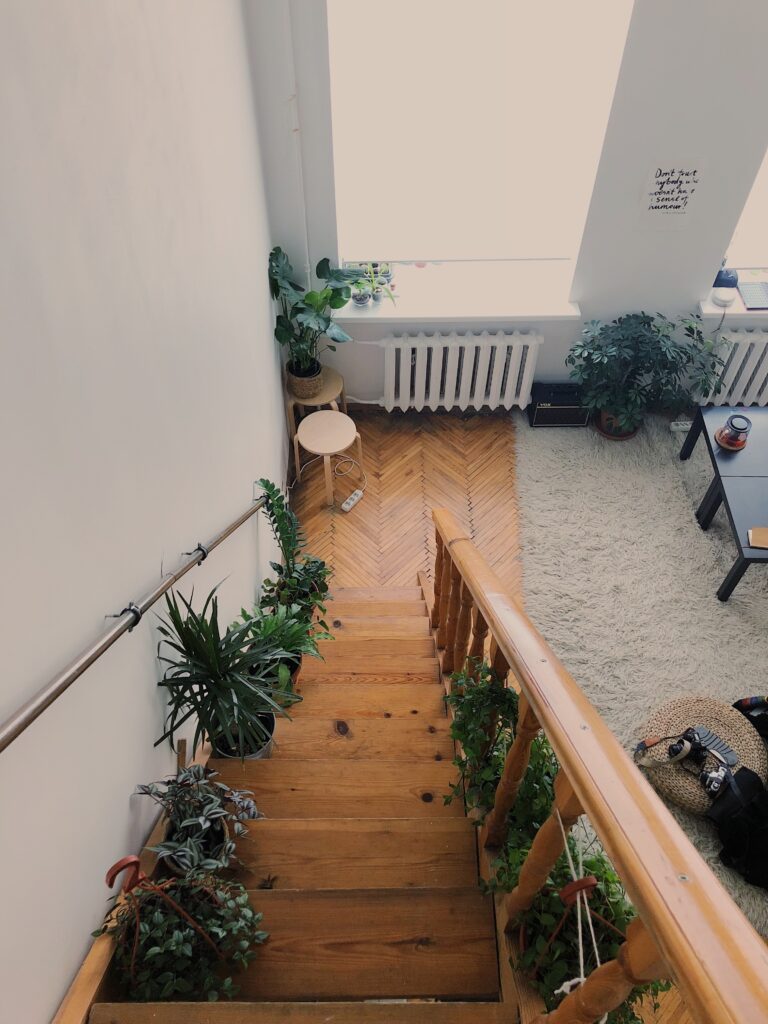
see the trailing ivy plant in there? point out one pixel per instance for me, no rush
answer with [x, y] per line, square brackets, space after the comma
[183, 938]
[485, 719]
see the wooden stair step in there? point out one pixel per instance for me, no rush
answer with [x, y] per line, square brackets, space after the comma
[359, 648]
[375, 627]
[415, 738]
[376, 594]
[300, 1013]
[358, 853]
[339, 660]
[361, 678]
[396, 609]
[328, 699]
[374, 944]
[344, 789]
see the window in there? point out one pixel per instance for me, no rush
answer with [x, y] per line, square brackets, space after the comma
[749, 245]
[469, 131]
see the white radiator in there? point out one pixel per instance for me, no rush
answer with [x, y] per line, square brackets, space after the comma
[745, 374]
[449, 370]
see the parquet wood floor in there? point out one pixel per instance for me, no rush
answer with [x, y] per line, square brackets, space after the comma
[414, 462]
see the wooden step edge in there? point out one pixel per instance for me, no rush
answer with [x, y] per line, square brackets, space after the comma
[375, 594]
[375, 1012]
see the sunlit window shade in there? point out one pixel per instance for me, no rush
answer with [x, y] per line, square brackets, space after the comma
[749, 245]
[469, 130]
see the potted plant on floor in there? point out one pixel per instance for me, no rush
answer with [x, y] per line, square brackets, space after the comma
[204, 817]
[225, 680]
[301, 581]
[285, 628]
[181, 938]
[306, 317]
[641, 361]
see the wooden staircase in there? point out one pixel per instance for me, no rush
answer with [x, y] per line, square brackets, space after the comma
[367, 880]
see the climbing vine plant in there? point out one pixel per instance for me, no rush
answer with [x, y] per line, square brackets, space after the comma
[485, 717]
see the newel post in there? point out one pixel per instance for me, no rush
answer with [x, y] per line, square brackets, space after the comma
[546, 848]
[637, 962]
[514, 769]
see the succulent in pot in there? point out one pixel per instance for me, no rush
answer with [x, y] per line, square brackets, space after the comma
[376, 283]
[384, 272]
[181, 938]
[361, 295]
[306, 318]
[204, 817]
[224, 680]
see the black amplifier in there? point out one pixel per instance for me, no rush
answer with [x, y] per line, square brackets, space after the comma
[557, 405]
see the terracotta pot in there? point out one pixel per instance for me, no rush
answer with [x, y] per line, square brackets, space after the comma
[305, 387]
[607, 425]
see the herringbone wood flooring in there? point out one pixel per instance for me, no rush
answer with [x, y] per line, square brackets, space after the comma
[415, 462]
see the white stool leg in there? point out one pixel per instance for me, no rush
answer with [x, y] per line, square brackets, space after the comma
[297, 457]
[334, 405]
[328, 479]
[360, 454]
[343, 401]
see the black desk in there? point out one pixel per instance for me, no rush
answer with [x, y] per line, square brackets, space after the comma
[740, 483]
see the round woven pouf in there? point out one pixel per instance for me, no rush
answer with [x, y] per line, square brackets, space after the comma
[679, 785]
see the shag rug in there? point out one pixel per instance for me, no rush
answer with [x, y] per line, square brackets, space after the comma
[621, 581]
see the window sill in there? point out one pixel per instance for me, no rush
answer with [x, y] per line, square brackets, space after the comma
[484, 292]
[708, 308]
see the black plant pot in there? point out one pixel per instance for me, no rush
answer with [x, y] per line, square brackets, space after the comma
[265, 750]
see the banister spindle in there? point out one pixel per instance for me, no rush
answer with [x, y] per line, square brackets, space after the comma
[546, 848]
[477, 650]
[499, 663]
[453, 619]
[462, 628]
[606, 988]
[514, 769]
[445, 595]
[438, 580]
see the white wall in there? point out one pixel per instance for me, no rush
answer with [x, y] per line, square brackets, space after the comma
[139, 397]
[692, 88]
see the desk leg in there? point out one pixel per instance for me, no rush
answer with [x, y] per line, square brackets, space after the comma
[728, 585]
[692, 436]
[710, 503]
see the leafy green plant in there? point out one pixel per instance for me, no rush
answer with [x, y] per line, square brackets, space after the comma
[285, 627]
[370, 281]
[177, 939]
[301, 580]
[485, 719]
[203, 816]
[485, 712]
[550, 940]
[640, 361]
[226, 680]
[306, 316]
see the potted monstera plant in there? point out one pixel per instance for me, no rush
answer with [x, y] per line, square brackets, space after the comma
[641, 361]
[305, 324]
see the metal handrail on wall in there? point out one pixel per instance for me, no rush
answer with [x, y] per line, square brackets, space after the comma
[129, 617]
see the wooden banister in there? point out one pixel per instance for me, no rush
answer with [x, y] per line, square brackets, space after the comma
[718, 961]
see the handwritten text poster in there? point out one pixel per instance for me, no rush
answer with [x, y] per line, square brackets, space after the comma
[672, 190]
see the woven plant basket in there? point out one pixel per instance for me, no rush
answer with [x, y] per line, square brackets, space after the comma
[305, 387]
[679, 785]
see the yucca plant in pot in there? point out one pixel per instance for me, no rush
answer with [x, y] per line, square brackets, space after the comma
[224, 680]
[204, 817]
[306, 318]
[641, 361]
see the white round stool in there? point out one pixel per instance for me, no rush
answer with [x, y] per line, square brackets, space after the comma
[326, 433]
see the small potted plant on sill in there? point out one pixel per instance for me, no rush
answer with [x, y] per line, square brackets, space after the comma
[225, 680]
[181, 938]
[376, 283]
[203, 819]
[306, 318]
[361, 294]
[639, 362]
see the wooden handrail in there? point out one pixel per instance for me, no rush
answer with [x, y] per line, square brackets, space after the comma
[717, 959]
